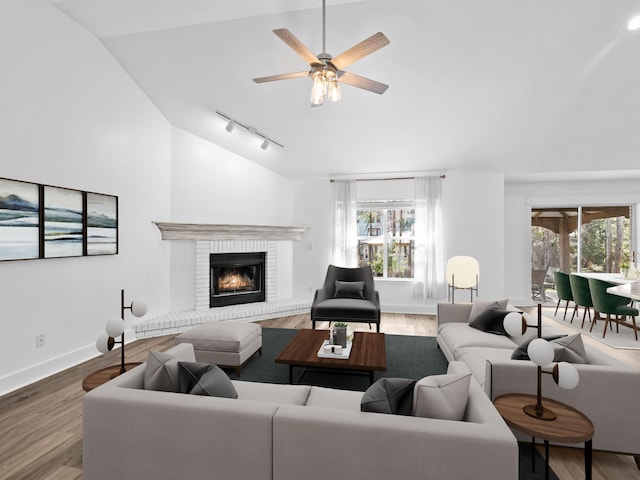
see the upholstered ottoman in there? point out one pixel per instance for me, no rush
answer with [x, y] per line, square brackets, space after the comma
[224, 344]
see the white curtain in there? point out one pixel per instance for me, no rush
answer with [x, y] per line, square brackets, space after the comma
[429, 264]
[345, 229]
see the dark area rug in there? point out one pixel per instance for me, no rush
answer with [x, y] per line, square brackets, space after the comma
[407, 357]
[524, 449]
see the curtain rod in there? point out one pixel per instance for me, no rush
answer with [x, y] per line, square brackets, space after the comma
[332, 180]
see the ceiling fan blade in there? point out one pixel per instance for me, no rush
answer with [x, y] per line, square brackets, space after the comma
[362, 82]
[362, 49]
[296, 45]
[282, 76]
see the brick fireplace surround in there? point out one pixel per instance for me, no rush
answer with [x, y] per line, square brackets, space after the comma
[226, 239]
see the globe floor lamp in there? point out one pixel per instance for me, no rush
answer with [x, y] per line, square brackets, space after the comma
[115, 328]
[541, 353]
[463, 272]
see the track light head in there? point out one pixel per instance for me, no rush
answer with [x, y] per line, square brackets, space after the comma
[230, 126]
[265, 144]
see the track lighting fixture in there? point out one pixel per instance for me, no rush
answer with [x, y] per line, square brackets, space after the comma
[231, 124]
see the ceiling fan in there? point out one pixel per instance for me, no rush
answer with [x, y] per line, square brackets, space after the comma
[326, 71]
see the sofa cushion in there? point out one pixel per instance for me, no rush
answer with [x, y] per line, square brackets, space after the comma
[569, 349]
[520, 353]
[441, 396]
[566, 348]
[459, 335]
[196, 378]
[389, 395]
[341, 308]
[491, 321]
[349, 289]
[161, 372]
[480, 305]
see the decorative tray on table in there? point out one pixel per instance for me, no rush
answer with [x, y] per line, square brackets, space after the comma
[346, 351]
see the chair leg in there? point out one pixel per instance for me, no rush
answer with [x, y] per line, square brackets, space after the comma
[566, 306]
[584, 316]
[635, 328]
[557, 306]
[607, 322]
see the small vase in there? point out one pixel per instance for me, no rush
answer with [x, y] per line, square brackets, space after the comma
[340, 336]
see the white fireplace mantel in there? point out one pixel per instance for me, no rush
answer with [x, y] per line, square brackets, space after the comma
[205, 231]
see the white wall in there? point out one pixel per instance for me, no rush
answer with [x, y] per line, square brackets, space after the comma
[473, 221]
[212, 185]
[70, 116]
[521, 197]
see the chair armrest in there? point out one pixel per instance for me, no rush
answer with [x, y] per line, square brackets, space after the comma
[320, 295]
[453, 312]
[374, 297]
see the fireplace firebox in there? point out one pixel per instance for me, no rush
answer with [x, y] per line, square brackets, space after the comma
[237, 278]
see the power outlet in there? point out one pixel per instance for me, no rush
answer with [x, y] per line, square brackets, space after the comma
[40, 340]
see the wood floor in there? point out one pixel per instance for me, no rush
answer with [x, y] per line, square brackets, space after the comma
[41, 424]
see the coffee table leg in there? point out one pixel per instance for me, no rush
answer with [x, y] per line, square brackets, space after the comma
[587, 459]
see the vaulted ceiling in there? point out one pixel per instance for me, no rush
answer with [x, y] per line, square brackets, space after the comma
[533, 88]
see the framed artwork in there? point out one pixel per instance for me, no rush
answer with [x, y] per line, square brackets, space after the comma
[19, 220]
[102, 224]
[63, 222]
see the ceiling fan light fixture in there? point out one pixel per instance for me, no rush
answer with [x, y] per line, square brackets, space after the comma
[230, 126]
[318, 89]
[334, 94]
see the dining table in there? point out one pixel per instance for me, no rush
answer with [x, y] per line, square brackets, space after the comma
[629, 290]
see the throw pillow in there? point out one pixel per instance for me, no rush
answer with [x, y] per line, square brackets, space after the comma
[349, 290]
[197, 378]
[442, 396]
[569, 349]
[389, 395]
[161, 372]
[491, 320]
[479, 305]
[520, 353]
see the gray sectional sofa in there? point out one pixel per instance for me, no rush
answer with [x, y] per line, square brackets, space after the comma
[283, 432]
[608, 391]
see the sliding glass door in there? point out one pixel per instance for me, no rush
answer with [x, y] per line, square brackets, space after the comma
[581, 238]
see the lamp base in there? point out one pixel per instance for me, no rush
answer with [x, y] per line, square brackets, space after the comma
[539, 412]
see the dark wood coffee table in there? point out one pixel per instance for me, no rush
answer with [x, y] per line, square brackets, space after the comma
[368, 353]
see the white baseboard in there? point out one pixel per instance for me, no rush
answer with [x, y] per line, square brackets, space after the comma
[34, 373]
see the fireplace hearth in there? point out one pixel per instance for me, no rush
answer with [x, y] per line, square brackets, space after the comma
[237, 278]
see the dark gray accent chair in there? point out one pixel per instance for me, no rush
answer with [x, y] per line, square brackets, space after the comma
[327, 308]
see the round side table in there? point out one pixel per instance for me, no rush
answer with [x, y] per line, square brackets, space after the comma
[570, 426]
[99, 377]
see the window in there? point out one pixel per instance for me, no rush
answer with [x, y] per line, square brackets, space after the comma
[386, 238]
[583, 238]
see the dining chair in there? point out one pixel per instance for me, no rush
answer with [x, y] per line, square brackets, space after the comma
[563, 289]
[609, 304]
[581, 296]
